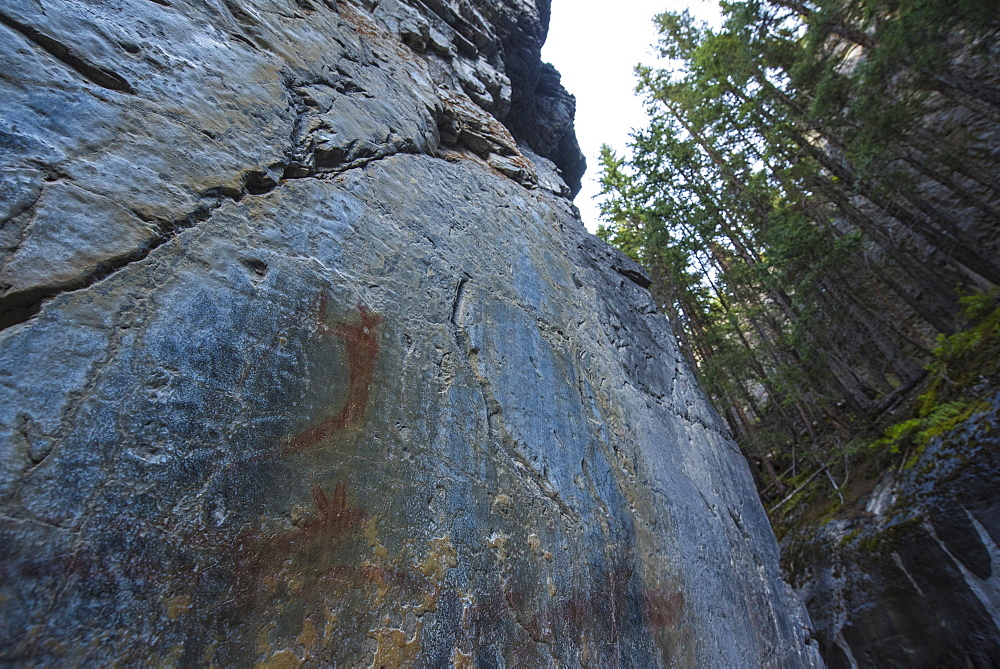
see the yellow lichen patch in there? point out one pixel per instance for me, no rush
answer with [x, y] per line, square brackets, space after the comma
[370, 532]
[209, 654]
[309, 636]
[501, 503]
[460, 660]
[264, 639]
[535, 545]
[177, 606]
[394, 650]
[300, 512]
[331, 624]
[552, 586]
[283, 659]
[295, 584]
[376, 576]
[441, 557]
[429, 602]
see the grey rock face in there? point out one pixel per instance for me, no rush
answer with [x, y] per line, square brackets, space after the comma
[492, 52]
[914, 582]
[305, 360]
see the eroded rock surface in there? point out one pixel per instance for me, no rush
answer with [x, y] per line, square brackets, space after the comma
[913, 580]
[306, 359]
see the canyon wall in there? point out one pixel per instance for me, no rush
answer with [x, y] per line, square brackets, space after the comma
[306, 358]
[907, 576]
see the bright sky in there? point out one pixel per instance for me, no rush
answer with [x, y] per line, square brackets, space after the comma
[596, 47]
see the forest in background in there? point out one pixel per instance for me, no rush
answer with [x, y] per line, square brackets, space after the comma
[816, 198]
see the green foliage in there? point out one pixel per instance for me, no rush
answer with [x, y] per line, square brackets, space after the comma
[918, 432]
[960, 361]
[972, 352]
[968, 355]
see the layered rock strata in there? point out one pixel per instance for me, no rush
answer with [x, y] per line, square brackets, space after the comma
[306, 358]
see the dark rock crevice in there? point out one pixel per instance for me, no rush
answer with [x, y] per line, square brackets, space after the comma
[307, 159]
[21, 306]
[541, 113]
[67, 55]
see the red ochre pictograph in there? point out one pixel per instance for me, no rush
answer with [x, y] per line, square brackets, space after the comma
[361, 341]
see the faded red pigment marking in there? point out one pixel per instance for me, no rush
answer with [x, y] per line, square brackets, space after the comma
[335, 518]
[310, 544]
[333, 521]
[310, 554]
[399, 584]
[662, 609]
[609, 599]
[362, 354]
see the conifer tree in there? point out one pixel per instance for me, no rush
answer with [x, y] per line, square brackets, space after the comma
[814, 193]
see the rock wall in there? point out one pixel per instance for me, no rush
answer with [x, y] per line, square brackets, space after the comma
[911, 579]
[306, 359]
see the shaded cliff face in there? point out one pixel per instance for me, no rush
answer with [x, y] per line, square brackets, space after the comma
[910, 579]
[305, 359]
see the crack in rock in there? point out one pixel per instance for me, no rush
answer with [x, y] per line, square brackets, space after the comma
[95, 74]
